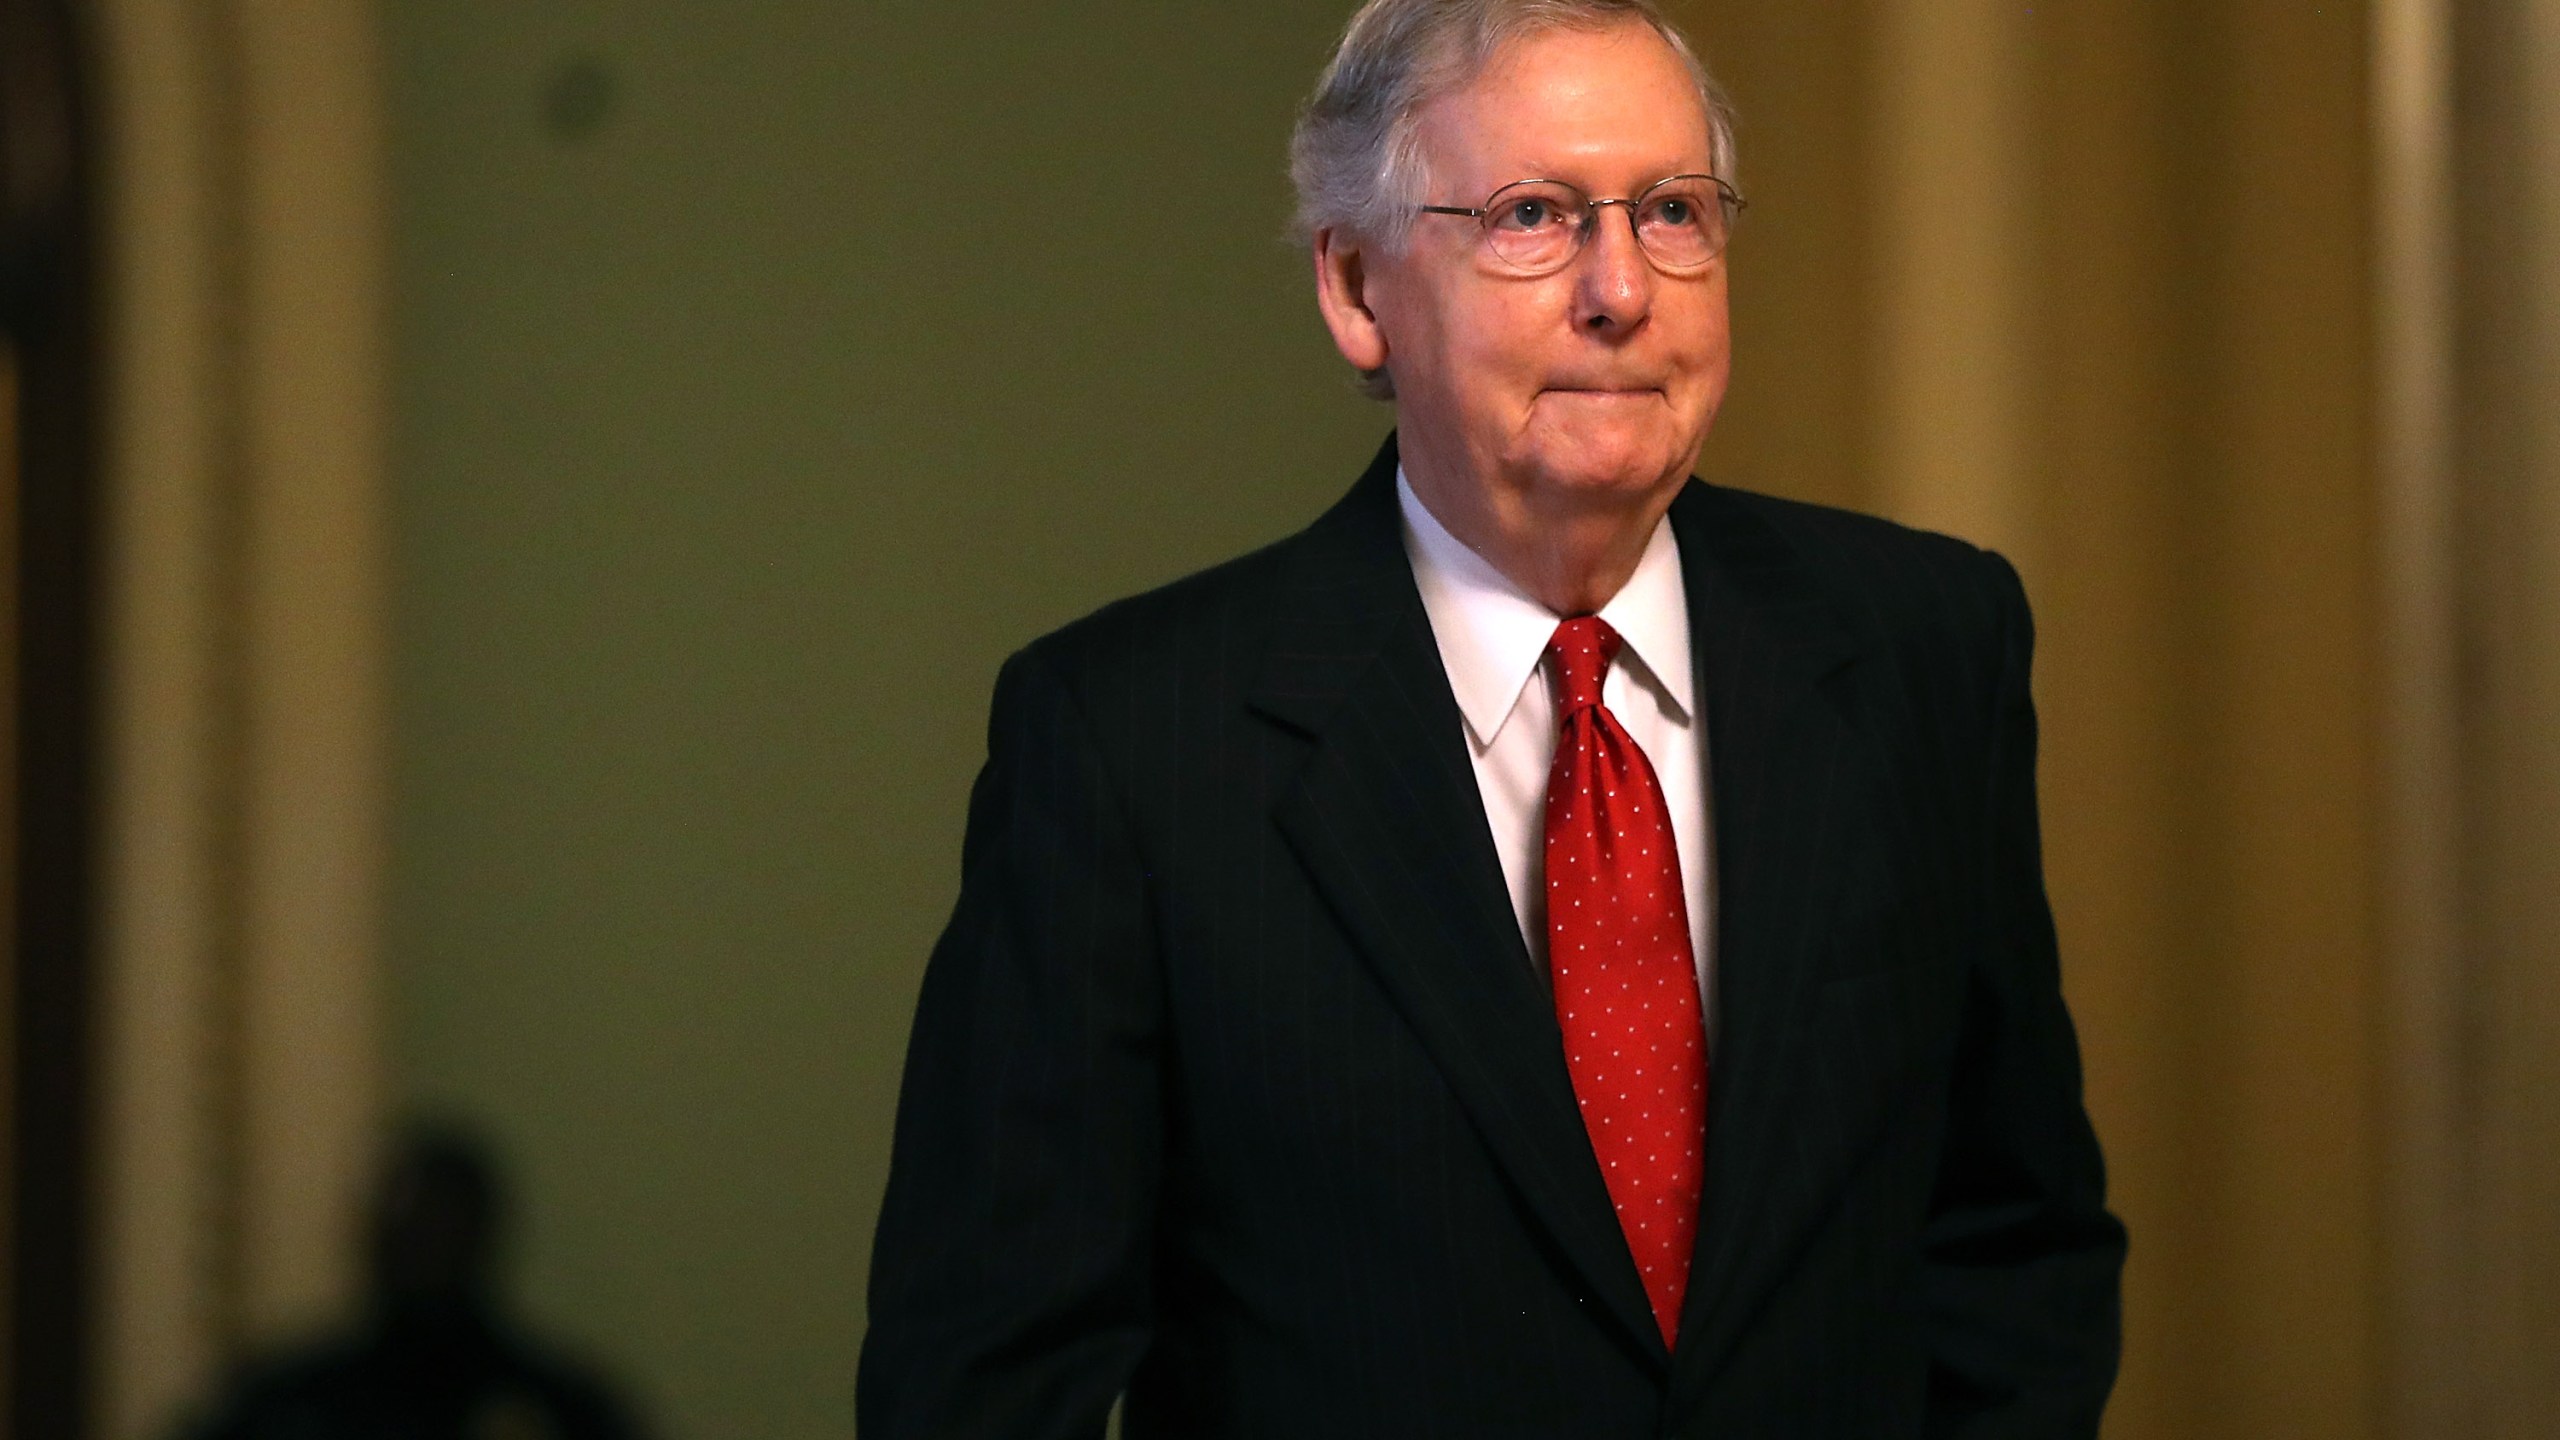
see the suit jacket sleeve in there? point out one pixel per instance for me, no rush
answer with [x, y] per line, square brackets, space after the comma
[2020, 1259]
[1010, 1285]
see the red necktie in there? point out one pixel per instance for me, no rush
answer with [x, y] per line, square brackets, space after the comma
[1626, 990]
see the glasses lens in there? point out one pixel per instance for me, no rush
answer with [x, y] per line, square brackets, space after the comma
[1536, 225]
[1684, 221]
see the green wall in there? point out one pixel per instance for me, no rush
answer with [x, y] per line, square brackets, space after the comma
[766, 373]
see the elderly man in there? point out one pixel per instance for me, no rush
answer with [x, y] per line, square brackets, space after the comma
[1554, 949]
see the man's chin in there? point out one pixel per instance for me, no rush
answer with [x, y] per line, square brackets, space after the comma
[1606, 471]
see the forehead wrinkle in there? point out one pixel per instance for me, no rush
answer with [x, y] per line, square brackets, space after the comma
[1571, 94]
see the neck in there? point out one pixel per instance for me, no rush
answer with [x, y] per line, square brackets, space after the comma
[1572, 555]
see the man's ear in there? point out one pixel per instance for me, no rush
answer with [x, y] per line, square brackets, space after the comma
[1342, 293]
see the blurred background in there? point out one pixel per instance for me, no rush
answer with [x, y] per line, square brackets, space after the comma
[518, 508]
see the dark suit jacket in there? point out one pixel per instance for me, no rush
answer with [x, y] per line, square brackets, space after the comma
[1232, 1084]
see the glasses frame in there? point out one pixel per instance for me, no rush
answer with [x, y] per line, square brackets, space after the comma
[1733, 199]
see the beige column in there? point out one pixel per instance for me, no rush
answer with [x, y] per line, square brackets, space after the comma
[2422, 1209]
[313, 279]
[8, 854]
[243, 834]
[2510, 413]
[1951, 248]
[163, 1206]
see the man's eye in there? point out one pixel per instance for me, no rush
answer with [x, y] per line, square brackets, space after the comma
[1528, 214]
[1675, 212]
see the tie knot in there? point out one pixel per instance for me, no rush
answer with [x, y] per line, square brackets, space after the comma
[1581, 651]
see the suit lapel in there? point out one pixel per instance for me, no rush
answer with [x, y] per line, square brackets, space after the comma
[1782, 760]
[1388, 821]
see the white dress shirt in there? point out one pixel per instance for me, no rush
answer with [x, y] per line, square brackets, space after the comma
[1493, 641]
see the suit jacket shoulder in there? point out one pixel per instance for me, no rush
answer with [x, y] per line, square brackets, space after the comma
[1220, 611]
[1890, 583]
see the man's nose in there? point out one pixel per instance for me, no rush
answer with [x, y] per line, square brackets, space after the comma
[1616, 290]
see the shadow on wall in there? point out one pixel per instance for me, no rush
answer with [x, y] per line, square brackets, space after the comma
[433, 1352]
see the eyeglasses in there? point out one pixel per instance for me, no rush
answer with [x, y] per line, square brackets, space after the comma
[1536, 227]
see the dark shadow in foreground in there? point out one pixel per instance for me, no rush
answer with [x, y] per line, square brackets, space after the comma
[433, 1356]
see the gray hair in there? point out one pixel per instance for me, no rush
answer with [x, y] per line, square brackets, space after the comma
[1356, 158]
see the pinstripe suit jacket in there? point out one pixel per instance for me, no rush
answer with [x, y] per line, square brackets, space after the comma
[1232, 1085]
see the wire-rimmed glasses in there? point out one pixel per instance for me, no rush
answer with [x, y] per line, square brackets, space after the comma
[1536, 227]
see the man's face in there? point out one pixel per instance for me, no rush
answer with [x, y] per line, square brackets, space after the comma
[1587, 385]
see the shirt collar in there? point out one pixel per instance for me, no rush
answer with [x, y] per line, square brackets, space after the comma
[1492, 634]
